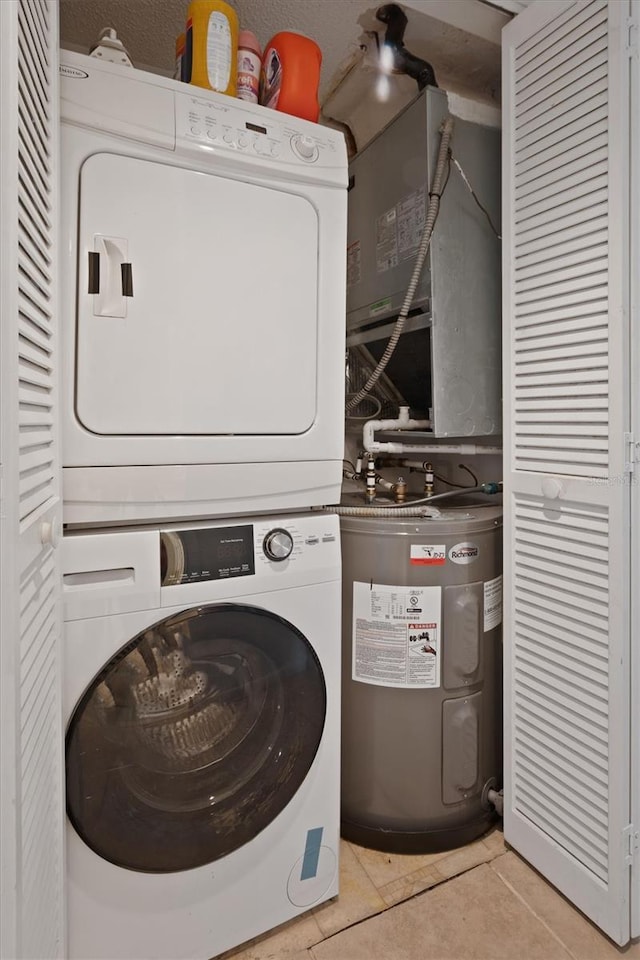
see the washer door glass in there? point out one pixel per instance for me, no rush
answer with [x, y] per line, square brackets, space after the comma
[194, 737]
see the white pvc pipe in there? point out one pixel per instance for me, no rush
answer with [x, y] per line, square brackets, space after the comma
[404, 422]
[466, 449]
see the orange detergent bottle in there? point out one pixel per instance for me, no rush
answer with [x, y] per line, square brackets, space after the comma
[290, 75]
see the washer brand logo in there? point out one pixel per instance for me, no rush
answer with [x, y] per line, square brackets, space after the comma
[428, 554]
[72, 72]
[464, 552]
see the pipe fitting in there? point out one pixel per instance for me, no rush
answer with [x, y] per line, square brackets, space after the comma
[402, 422]
[400, 490]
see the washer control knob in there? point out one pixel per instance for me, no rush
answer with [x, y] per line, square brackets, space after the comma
[278, 544]
[305, 148]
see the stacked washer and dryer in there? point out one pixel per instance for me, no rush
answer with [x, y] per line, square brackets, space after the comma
[203, 283]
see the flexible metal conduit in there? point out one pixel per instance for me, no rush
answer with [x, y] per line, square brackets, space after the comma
[414, 508]
[423, 512]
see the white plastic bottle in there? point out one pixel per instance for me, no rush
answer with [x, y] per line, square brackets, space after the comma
[249, 63]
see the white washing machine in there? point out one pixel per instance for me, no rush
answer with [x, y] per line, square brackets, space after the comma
[202, 708]
[203, 301]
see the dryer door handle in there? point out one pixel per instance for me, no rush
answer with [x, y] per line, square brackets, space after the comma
[110, 276]
[127, 279]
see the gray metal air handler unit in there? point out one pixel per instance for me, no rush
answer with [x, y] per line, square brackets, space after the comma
[421, 725]
[448, 359]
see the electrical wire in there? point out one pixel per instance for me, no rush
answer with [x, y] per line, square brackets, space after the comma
[475, 196]
[451, 483]
[370, 416]
[463, 466]
[462, 486]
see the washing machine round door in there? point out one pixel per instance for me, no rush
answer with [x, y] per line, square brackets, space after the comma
[194, 737]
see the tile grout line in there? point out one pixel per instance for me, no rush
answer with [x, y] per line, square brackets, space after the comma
[413, 896]
[439, 882]
[431, 866]
[536, 915]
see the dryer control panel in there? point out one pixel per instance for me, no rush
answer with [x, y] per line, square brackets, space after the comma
[217, 123]
[187, 120]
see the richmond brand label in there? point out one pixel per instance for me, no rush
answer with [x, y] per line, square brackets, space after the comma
[464, 553]
[73, 72]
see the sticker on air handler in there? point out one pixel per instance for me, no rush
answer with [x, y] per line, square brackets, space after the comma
[396, 635]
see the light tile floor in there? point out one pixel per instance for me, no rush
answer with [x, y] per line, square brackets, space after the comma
[481, 902]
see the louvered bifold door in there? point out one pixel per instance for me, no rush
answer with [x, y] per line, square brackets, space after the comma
[31, 742]
[567, 551]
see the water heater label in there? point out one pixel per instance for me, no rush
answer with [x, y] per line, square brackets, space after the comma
[464, 552]
[428, 554]
[492, 603]
[396, 635]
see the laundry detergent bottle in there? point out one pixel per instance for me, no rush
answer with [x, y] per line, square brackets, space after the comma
[212, 45]
[290, 75]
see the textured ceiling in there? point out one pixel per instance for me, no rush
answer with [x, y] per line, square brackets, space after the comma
[464, 59]
[148, 28]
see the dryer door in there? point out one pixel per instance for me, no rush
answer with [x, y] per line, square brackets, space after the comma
[197, 303]
[194, 737]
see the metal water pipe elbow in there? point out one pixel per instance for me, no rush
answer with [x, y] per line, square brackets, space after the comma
[400, 60]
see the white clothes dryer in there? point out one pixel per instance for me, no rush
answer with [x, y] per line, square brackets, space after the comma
[203, 301]
[202, 708]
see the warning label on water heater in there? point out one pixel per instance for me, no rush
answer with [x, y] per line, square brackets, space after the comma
[396, 635]
[428, 554]
[492, 603]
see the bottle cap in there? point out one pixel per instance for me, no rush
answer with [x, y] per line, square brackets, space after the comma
[248, 39]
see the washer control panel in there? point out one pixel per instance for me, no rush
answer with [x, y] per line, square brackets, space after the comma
[256, 132]
[278, 545]
[296, 542]
[223, 551]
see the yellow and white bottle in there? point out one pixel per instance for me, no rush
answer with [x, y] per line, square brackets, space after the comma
[212, 45]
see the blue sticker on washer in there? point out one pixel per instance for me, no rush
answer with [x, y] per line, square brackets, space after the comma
[311, 853]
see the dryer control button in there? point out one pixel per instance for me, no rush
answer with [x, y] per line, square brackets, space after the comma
[305, 148]
[278, 544]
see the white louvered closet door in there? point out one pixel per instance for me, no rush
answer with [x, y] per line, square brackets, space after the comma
[566, 385]
[31, 742]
